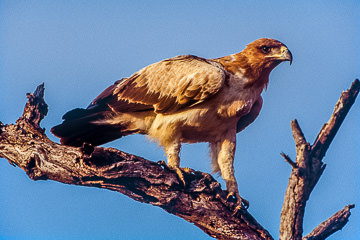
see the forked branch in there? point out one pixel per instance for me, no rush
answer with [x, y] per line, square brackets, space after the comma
[25, 145]
[307, 170]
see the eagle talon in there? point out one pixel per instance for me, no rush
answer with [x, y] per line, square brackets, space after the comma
[163, 164]
[179, 172]
[87, 149]
[187, 170]
[240, 203]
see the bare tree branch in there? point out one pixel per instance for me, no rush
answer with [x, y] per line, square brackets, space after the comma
[296, 195]
[329, 129]
[334, 223]
[309, 166]
[201, 202]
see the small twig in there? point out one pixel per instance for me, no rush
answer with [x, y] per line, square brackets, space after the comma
[288, 160]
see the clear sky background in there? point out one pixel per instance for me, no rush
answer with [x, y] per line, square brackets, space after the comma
[78, 48]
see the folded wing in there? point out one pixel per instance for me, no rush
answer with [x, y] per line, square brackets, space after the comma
[164, 87]
[172, 84]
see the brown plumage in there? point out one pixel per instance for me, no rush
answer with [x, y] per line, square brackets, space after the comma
[185, 99]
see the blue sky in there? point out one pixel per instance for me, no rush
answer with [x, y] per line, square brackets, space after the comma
[78, 48]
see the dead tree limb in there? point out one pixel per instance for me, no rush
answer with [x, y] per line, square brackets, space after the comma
[25, 145]
[308, 168]
[335, 223]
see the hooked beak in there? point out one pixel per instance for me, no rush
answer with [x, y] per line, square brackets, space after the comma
[285, 54]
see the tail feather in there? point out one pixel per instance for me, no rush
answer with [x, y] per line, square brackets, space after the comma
[82, 126]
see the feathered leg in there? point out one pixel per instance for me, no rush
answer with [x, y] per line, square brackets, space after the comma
[214, 153]
[173, 160]
[226, 164]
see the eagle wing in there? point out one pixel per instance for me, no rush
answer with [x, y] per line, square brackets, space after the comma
[165, 86]
[247, 119]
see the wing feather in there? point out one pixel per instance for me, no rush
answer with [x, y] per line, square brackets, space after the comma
[172, 84]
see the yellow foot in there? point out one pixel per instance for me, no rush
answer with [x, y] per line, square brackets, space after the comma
[180, 175]
[179, 171]
[241, 203]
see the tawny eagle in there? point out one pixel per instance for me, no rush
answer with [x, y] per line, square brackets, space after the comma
[185, 99]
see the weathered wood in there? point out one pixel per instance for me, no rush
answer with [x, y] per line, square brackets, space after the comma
[308, 167]
[335, 223]
[200, 202]
[329, 129]
[296, 194]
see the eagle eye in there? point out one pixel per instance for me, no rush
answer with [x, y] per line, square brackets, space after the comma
[266, 49]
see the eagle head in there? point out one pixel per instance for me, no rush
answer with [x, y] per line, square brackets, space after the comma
[265, 54]
[260, 57]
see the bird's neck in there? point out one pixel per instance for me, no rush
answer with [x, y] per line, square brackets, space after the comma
[239, 65]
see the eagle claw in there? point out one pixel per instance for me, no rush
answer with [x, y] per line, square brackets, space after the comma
[180, 173]
[163, 164]
[241, 203]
